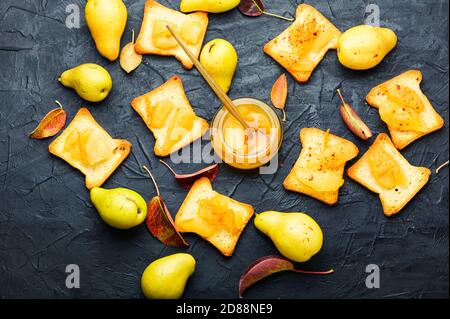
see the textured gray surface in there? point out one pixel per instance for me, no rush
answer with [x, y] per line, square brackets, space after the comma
[47, 220]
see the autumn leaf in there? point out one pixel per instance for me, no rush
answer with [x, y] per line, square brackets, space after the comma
[51, 124]
[251, 8]
[159, 220]
[129, 59]
[187, 180]
[161, 225]
[279, 94]
[355, 124]
[255, 8]
[269, 265]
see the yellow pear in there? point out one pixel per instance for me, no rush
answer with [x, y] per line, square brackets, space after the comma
[106, 20]
[120, 208]
[166, 278]
[220, 59]
[91, 81]
[296, 235]
[212, 6]
[364, 47]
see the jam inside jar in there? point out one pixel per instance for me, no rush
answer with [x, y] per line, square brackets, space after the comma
[247, 149]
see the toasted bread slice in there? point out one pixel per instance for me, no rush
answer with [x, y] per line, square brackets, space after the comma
[301, 47]
[154, 38]
[383, 170]
[85, 145]
[215, 217]
[415, 116]
[168, 114]
[319, 169]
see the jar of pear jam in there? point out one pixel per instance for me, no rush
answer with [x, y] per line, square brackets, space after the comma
[247, 150]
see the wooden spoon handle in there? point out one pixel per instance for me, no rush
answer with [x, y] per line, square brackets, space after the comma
[210, 80]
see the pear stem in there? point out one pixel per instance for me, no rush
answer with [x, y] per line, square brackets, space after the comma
[278, 16]
[441, 167]
[153, 179]
[170, 168]
[59, 104]
[132, 36]
[271, 14]
[329, 272]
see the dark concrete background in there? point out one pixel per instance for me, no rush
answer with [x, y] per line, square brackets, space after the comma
[47, 220]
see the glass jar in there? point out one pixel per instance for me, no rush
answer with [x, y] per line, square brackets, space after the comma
[251, 150]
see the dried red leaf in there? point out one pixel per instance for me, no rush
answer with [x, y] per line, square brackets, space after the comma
[279, 94]
[161, 225]
[255, 8]
[267, 266]
[160, 222]
[187, 180]
[51, 124]
[249, 8]
[355, 124]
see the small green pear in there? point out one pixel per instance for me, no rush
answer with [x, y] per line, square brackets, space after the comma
[120, 208]
[166, 278]
[91, 81]
[296, 235]
[212, 6]
[220, 59]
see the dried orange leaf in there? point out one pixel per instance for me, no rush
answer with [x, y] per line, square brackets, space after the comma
[353, 121]
[279, 94]
[51, 124]
[129, 59]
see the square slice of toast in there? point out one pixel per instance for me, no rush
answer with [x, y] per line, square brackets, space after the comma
[168, 114]
[414, 115]
[383, 170]
[85, 145]
[319, 169]
[154, 38]
[301, 47]
[215, 217]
